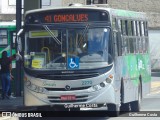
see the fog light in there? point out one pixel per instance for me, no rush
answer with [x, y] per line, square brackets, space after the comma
[34, 87]
[102, 84]
[28, 83]
[40, 90]
[95, 87]
[108, 80]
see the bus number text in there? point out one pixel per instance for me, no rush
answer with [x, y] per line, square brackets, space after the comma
[88, 82]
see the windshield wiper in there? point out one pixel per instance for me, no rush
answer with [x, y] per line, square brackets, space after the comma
[52, 34]
[84, 32]
[48, 30]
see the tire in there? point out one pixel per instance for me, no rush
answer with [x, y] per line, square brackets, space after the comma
[124, 106]
[75, 109]
[113, 110]
[136, 105]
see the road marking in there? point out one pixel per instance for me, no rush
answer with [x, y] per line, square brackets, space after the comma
[155, 84]
[155, 92]
[155, 87]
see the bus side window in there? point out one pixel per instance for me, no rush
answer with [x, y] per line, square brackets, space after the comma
[146, 29]
[130, 39]
[124, 37]
[140, 37]
[125, 43]
[143, 37]
[123, 27]
[115, 36]
[135, 36]
[146, 36]
[129, 26]
[119, 36]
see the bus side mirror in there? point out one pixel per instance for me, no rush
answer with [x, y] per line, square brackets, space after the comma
[19, 42]
[18, 56]
[19, 45]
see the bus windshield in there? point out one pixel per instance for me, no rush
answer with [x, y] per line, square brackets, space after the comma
[69, 48]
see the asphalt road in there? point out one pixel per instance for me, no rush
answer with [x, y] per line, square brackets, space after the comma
[150, 108]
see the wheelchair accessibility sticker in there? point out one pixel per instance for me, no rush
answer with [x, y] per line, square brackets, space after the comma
[73, 63]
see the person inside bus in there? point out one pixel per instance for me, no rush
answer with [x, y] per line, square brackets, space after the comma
[6, 67]
[95, 42]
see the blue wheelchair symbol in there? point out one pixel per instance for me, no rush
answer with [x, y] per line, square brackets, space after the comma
[73, 63]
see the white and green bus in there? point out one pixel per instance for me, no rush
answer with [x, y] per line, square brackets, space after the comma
[7, 38]
[86, 56]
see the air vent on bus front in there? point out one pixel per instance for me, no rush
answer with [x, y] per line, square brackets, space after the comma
[67, 76]
[63, 89]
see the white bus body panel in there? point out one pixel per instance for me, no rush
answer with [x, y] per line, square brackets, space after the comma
[102, 96]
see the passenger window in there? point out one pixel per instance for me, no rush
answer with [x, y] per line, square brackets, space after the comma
[130, 30]
[137, 29]
[124, 32]
[114, 23]
[124, 46]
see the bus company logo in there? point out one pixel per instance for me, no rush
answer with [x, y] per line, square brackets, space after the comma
[6, 114]
[67, 87]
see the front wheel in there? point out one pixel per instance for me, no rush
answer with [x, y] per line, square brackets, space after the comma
[136, 105]
[113, 110]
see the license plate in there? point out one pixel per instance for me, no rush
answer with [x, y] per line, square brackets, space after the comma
[68, 97]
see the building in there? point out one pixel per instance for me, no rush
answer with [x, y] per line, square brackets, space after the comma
[151, 7]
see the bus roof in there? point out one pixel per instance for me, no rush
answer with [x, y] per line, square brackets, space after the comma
[129, 14]
[7, 24]
[113, 12]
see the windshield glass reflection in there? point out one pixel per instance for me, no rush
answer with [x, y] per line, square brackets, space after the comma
[59, 48]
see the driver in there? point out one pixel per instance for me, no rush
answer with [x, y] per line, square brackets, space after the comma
[95, 41]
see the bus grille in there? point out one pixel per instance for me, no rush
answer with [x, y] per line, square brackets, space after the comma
[63, 89]
[67, 76]
[54, 99]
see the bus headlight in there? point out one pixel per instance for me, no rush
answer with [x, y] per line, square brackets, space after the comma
[102, 84]
[109, 79]
[96, 87]
[34, 87]
[28, 83]
[99, 86]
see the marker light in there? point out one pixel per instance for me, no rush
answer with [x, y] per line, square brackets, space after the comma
[102, 84]
[34, 87]
[111, 76]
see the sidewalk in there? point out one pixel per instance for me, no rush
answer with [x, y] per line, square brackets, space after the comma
[11, 104]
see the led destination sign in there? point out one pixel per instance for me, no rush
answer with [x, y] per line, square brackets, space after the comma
[66, 16]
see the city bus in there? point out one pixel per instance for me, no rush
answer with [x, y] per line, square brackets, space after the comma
[7, 38]
[83, 57]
